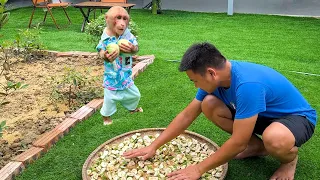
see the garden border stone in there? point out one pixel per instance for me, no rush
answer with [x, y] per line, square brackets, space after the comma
[11, 170]
[48, 139]
[29, 155]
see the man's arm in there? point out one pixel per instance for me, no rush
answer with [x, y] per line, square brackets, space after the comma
[242, 132]
[175, 128]
[180, 123]
[250, 102]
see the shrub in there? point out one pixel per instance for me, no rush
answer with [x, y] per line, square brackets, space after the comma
[4, 16]
[96, 27]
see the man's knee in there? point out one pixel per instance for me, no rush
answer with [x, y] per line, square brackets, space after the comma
[209, 106]
[278, 139]
[212, 107]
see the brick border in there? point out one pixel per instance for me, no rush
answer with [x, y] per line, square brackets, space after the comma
[48, 139]
[29, 156]
[11, 170]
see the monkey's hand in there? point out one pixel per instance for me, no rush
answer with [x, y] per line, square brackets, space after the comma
[128, 48]
[110, 57]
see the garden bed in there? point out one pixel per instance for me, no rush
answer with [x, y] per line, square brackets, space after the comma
[35, 110]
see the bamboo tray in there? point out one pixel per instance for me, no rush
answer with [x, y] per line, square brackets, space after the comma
[149, 131]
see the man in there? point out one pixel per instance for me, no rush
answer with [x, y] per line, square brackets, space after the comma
[243, 99]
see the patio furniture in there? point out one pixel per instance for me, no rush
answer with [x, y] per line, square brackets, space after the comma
[47, 5]
[97, 5]
[107, 1]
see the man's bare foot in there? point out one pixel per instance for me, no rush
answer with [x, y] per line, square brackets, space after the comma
[107, 121]
[251, 151]
[285, 171]
[139, 109]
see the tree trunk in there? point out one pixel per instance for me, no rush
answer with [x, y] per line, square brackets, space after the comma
[154, 6]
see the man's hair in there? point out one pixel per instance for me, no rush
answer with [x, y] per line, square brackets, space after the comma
[200, 56]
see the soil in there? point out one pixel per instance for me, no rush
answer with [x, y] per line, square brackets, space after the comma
[31, 112]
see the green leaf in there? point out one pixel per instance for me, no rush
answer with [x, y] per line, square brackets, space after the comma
[3, 123]
[17, 85]
[3, 2]
[10, 84]
[24, 86]
[74, 82]
[4, 19]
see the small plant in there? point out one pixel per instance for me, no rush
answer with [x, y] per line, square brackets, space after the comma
[4, 16]
[73, 87]
[7, 86]
[96, 27]
[3, 126]
[28, 43]
[7, 89]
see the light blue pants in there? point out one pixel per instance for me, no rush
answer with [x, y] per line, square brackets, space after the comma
[129, 98]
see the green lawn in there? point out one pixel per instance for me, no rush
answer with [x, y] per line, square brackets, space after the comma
[284, 43]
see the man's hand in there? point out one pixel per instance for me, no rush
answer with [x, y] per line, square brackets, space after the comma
[144, 153]
[189, 173]
[130, 48]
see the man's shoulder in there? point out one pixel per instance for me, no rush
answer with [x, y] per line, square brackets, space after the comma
[248, 72]
[246, 64]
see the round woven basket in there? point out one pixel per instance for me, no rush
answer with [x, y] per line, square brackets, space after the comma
[149, 131]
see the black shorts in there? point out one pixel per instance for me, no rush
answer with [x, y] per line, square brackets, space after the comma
[301, 128]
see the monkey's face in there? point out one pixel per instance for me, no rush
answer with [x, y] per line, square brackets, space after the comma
[120, 23]
[117, 19]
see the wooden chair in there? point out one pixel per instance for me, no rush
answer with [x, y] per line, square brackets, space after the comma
[47, 5]
[114, 1]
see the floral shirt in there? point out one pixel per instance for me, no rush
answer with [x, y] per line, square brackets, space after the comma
[117, 75]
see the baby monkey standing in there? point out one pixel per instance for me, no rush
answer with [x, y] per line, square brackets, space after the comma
[116, 47]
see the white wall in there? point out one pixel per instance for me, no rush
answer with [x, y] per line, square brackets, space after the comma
[287, 7]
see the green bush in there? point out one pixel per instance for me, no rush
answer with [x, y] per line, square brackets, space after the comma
[96, 27]
[4, 16]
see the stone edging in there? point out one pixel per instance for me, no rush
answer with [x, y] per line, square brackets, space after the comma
[43, 144]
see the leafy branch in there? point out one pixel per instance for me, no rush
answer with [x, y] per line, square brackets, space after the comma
[4, 16]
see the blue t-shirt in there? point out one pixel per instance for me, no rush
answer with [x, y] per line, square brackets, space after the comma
[257, 89]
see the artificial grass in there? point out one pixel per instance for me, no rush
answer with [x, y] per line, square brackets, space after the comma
[284, 43]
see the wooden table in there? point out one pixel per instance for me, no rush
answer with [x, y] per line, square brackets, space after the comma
[97, 5]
